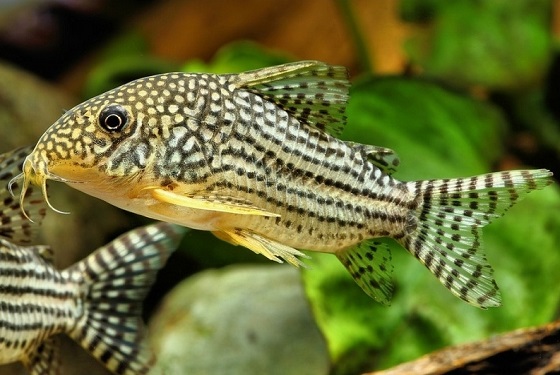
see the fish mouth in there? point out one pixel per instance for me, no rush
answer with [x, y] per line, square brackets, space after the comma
[34, 174]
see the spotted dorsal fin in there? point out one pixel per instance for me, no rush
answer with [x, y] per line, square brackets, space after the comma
[313, 92]
[14, 226]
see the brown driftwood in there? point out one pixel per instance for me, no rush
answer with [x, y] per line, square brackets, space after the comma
[532, 351]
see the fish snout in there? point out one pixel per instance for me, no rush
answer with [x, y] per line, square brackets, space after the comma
[34, 172]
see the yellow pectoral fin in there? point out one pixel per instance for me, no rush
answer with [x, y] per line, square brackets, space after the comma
[210, 203]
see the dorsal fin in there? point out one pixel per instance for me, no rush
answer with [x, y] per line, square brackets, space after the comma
[14, 226]
[313, 92]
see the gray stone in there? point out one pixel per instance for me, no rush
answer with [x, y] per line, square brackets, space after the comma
[250, 319]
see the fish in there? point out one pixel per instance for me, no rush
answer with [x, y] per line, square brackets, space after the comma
[97, 301]
[256, 158]
[14, 223]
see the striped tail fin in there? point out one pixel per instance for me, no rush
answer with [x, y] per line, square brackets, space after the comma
[450, 216]
[115, 280]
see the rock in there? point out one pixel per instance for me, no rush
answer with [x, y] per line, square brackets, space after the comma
[28, 106]
[239, 320]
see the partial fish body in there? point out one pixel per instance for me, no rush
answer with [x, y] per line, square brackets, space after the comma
[253, 158]
[14, 223]
[97, 301]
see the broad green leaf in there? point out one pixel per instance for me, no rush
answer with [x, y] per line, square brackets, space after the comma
[425, 123]
[437, 133]
[238, 57]
[499, 44]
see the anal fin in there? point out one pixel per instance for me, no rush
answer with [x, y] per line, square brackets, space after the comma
[261, 245]
[369, 263]
[210, 202]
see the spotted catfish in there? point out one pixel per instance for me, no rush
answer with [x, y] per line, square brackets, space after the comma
[97, 301]
[254, 158]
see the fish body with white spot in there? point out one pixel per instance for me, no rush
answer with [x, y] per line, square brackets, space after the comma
[253, 158]
[97, 301]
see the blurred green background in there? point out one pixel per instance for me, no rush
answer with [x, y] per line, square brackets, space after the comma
[456, 88]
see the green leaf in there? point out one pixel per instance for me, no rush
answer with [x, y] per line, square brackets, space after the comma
[125, 59]
[437, 133]
[238, 57]
[499, 44]
[425, 124]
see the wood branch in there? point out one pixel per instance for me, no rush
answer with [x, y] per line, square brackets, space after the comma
[532, 351]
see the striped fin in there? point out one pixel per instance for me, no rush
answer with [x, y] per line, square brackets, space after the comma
[14, 226]
[369, 264]
[116, 279]
[46, 360]
[450, 216]
[313, 92]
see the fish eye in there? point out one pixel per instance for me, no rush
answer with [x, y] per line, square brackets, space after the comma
[113, 118]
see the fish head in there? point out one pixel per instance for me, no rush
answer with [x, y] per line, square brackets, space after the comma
[81, 145]
[104, 143]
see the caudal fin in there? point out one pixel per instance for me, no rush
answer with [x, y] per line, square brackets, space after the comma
[451, 214]
[115, 280]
